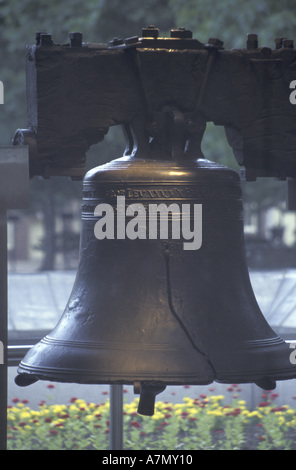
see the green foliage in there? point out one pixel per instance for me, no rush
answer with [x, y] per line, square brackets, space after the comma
[232, 20]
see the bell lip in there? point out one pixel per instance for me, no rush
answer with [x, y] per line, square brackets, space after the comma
[97, 363]
[27, 377]
[253, 377]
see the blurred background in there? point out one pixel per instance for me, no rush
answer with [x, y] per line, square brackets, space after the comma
[43, 241]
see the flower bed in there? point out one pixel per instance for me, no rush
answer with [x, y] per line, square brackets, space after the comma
[201, 423]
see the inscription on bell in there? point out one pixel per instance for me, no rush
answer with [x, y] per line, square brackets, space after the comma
[150, 193]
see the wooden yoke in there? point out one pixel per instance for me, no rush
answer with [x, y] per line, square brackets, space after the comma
[77, 91]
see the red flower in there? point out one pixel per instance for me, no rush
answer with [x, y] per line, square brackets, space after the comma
[135, 424]
[279, 408]
[15, 400]
[22, 424]
[264, 403]
[235, 412]
[50, 386]
[106, 431]
[54, 432]
[261, 438]
[73, 399]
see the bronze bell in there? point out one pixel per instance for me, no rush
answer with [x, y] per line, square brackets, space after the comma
[161, 310]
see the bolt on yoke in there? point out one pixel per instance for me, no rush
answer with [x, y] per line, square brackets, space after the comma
[162, 91]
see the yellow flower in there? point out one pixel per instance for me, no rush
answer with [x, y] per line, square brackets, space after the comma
[281, 420]
[58, 408]
[241, 402]
[254, 413]
[192, 411]
[217, 397]
[24, 415]
[178, 411]
[73, 408]
[157, 415]
[89, 418]
[214, 413]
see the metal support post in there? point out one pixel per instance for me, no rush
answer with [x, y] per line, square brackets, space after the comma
[14, 194]
[116, 417]
[3, 328]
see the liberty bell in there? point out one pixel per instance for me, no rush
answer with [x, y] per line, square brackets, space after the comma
[162, 294]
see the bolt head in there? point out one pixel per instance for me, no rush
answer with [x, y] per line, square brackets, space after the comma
[150, 32]
[181, 33]
[75, 39]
